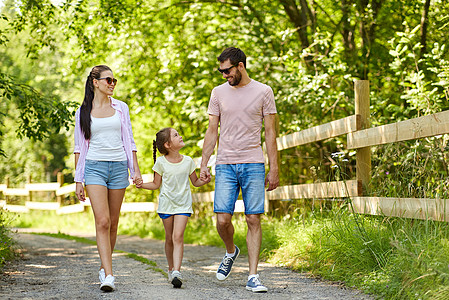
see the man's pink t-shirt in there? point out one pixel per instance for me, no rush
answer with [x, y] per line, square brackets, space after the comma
[241, 111]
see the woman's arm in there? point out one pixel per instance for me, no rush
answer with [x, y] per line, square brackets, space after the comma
[137, 178]
[152, 185]
[197, 181]
[79, 190]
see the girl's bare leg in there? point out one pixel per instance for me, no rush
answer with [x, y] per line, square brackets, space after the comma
[179, 226]
[168, 226]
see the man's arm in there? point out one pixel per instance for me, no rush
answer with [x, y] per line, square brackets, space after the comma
[272, 178]
[210, 140]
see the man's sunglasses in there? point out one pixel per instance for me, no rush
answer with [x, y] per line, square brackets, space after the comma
[226, 71]
[109, 80]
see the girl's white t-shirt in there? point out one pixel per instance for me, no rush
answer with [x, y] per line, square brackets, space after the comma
[106, 139]
[175, 196]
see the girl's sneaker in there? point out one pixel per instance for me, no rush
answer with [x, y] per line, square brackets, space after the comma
[255, 285]
[176, 279]
[108, 284]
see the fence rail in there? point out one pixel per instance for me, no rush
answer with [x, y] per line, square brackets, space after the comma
[360, 136]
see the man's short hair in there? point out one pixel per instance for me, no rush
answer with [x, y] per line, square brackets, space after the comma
[235, 55]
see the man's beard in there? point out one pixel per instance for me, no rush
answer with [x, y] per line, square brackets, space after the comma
[236, 78]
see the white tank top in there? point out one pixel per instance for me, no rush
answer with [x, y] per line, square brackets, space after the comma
[106, 139]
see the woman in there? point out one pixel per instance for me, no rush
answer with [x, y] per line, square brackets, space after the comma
[104, 151]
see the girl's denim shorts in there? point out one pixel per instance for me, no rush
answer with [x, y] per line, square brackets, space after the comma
[111, 174]
[166, 216]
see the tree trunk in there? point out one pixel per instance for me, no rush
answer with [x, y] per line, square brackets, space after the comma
[299, 19]
[424, 22]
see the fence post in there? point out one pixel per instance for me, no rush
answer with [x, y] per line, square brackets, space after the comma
[60, 179]
[363, 156]
[30, 195]
[7, 185]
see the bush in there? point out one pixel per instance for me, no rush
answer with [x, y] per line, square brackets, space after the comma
[6, 242]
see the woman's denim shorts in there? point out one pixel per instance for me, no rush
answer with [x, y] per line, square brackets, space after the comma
[230, 178]
[111, 174]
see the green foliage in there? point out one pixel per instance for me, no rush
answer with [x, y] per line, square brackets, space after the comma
[7, 243]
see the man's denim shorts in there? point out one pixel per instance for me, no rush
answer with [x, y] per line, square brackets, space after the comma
[111, 174]
[230, 178]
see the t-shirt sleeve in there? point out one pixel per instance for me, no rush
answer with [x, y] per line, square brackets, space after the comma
[192, 166]
[158, 167]
[214, 107]
[269, 105]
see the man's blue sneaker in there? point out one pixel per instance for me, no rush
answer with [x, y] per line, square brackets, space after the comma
[226, 265]
[255, 285]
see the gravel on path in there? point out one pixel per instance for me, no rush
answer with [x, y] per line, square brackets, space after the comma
[54, 268]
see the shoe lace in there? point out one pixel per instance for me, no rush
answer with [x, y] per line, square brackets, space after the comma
[225, 264]
[256, 281]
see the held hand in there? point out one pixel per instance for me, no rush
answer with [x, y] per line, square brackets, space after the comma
[272, 180]
[205, 174]
[79, 191]
[206, 181]
[137, 180]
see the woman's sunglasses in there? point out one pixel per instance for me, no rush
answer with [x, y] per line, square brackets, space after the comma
[109, 80]
[226, 71]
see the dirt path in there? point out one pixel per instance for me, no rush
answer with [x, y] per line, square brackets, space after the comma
[62, 269]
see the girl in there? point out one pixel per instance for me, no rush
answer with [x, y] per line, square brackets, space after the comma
[173, 170]
[104, 151]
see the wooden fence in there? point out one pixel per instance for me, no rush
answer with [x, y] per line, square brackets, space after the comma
[360, 136]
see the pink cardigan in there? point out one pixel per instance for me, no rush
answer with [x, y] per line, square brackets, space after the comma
[82, 145]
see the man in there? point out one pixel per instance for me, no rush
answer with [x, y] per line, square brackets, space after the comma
[240, 107]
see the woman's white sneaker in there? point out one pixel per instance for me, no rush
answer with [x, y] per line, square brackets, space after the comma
[108, 284]
[177, 279]
[101, 275]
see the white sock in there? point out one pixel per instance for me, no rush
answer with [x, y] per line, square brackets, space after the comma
[230, 255]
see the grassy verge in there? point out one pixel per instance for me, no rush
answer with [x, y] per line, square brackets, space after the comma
[389, 257]
[6, 242]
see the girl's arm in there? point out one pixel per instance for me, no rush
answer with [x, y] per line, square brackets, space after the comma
[197, 181]
[152, 185]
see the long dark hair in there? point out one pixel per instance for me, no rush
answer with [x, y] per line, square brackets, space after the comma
[86, 107]
[162, 136]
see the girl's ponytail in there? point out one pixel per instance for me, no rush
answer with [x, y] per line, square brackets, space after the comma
[154, 151]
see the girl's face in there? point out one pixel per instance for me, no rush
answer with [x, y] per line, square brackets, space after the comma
[102, 84]
[176, 141]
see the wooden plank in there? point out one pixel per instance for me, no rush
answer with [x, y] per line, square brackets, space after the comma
[42, 187]
[3, 187]
[203, 197]
[138, 207]
[318, 133]
[66, 189]
[2, 203]
[414, 208]
[16, 208]
[42, 205]
[210, 163]
[335, 189]
[70, 209]
[416, 128]
[16, 192]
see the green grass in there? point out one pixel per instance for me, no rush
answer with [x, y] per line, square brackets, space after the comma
[6, 241]
[390, 257]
